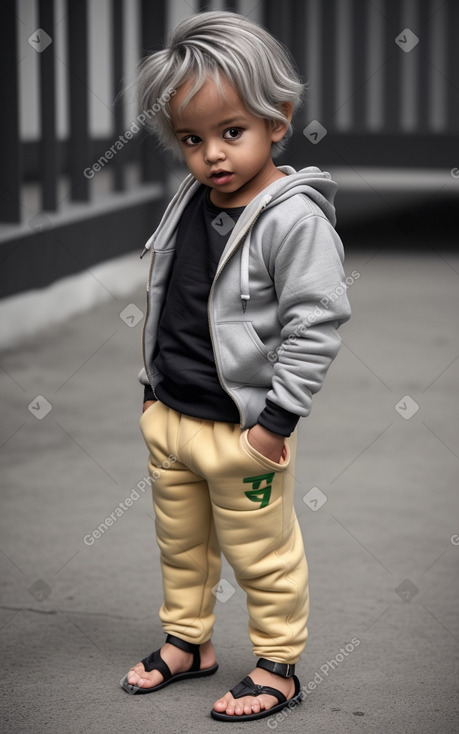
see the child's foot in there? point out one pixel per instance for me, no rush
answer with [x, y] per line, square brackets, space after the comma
[178, 661]
[254, 704]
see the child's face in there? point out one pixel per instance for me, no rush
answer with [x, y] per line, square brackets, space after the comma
[225, 146]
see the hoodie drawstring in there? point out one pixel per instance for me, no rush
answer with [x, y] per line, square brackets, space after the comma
[244, 276]
[245, 255]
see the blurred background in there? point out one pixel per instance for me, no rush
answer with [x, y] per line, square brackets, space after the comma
[82, 183]
[82, 186]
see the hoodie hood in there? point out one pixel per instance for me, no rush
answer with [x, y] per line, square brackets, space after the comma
[314, 183]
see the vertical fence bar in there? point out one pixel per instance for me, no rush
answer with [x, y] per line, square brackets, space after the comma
[78, 144]
[313, 40]
[276, 18]
[392, 67]
[452, 88]
[118, 64]
[48, 145]
[153, 31]
[299, 36]
[298, 52]
[359, 64]
[328, 54]
[374, 96]
[423, 68]
[10, 168]
[437, 72]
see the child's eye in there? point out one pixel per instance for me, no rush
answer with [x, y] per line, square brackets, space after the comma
[191, 140]
[233, 133]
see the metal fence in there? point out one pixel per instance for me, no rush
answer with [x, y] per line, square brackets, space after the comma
[383, 91]
[50, 157]
[383, 78]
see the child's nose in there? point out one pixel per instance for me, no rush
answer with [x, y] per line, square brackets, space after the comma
[213, 151]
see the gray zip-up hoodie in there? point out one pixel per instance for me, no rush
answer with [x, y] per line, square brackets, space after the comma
[277, 299]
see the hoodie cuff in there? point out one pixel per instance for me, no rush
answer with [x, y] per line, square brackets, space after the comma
[277, 419]
[148, 393]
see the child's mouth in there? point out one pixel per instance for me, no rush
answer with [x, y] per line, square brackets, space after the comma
[222, 177]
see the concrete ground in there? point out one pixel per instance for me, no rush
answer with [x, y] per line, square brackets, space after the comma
[378, 457]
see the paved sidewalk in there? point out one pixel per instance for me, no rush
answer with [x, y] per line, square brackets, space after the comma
[381, 526]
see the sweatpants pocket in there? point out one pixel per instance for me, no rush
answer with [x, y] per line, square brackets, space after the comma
[147, 413]
[263, 460]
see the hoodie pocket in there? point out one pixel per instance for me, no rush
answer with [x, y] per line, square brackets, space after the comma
[244, 357]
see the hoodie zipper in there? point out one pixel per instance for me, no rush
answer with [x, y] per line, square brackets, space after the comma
[147, 248]
[242, 237]
[147, 312]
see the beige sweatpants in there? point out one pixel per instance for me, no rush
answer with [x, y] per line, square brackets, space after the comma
[212, 490]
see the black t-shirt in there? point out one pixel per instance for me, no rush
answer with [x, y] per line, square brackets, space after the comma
[184, 356]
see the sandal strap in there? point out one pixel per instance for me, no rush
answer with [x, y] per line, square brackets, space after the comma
[187, 647]
[285, 670]
[182, 644]
[248, 688]
[155, 662]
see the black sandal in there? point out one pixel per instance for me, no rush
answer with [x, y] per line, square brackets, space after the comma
[248, 688]
[155, 662]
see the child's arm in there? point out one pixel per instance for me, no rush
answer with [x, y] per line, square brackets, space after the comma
[310, 286]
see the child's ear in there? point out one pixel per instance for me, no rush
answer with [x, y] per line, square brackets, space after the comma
[280, 128]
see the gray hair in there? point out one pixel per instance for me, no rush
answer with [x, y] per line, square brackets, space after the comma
[209, 45]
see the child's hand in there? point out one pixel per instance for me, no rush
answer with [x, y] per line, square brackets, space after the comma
[147, 404]
[269, 444]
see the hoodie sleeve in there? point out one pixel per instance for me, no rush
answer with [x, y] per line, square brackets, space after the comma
[311, 289]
